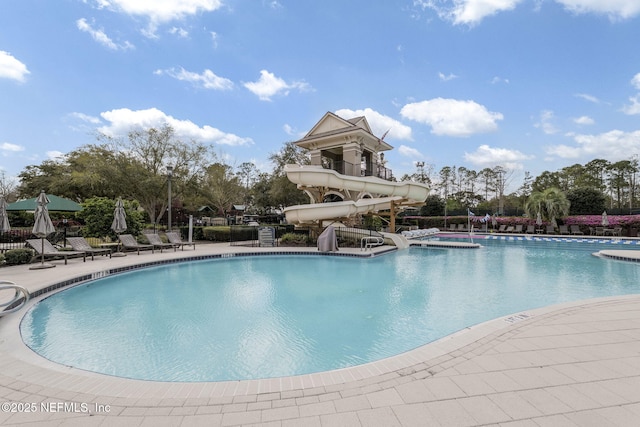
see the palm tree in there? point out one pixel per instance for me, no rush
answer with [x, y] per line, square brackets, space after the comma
[550, 203]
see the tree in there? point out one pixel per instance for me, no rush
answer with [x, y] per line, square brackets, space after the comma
[97, 215]
[596, 171]
[433, 206]
[142, 162]
[289, 154]
[546, 180]
[8, 187]
[247, 174]
[585, 201]
[221, 187]
[50, 175]
[550, 203]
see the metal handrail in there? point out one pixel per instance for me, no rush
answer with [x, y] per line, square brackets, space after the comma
[368, 242]
[20, 297]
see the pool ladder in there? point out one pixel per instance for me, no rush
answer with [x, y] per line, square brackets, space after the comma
[20, 297]
[370, 241]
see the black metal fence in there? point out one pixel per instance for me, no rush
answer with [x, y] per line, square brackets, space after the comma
[255, 236]
[14, 239]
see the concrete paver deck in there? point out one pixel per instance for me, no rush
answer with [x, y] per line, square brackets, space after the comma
[573, 364]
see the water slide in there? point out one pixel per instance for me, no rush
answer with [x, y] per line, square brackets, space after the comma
[316, 176]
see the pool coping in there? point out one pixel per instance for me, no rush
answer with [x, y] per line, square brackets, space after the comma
[27, 377]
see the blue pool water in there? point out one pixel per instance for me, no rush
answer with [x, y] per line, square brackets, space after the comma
[269, 316]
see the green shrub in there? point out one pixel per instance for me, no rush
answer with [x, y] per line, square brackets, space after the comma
[294, 239]
[97, 215]
[197, 233]
[217, 233]
[18, 256]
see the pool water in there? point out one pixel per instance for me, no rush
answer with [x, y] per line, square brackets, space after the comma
[269, 316]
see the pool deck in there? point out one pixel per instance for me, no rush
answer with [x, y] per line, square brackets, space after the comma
[572, 364]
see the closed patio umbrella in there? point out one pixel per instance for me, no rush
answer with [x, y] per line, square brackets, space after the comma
[119, 223]
[4, 220]
[605, 219]
[539, 219]
[42, 226]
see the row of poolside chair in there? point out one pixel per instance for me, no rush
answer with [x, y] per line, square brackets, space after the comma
[155, 242]
[549, 229]
[81, 248]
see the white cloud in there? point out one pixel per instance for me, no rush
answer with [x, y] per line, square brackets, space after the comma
[214, 39]
[410, 152]
[269, 85]
[452, 117]
[161, 11]
[86, 118]
[208, 79]
[7, 146]
[468, 12]
[635, 81]
[446, 78]
[273, 4]
[588, 97]
[11, 68]
[379, 123]
[584, 120]
[634, 108]
[486, 156]
[497, 80]
[472, 12]
[180, 32]
[545, 123]
[615, 9]
[123, 120]
[53, 155]
[613, 145]
[101, 37]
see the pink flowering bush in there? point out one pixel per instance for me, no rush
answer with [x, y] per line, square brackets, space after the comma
[582, 220]
[596, 220]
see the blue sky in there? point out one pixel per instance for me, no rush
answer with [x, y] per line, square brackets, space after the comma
[531, 85]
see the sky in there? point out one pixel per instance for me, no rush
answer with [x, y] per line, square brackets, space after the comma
[531, 85]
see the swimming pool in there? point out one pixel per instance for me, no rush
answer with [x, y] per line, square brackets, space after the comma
[261, 317]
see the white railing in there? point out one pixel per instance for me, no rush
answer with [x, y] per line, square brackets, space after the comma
[21, 296]
[370, 241]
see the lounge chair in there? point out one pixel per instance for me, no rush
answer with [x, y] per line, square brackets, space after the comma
[575, 229]
[175, 238]
[462, 227]
[452, 227]
[617, 231]
[503, 228]
[510, 229]
[50, 251]
[551, 229]
[518, 229]
[599, 231]
[129, 243]
[563, 229]
[157, 242]
[531, 229]
[79, 244]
